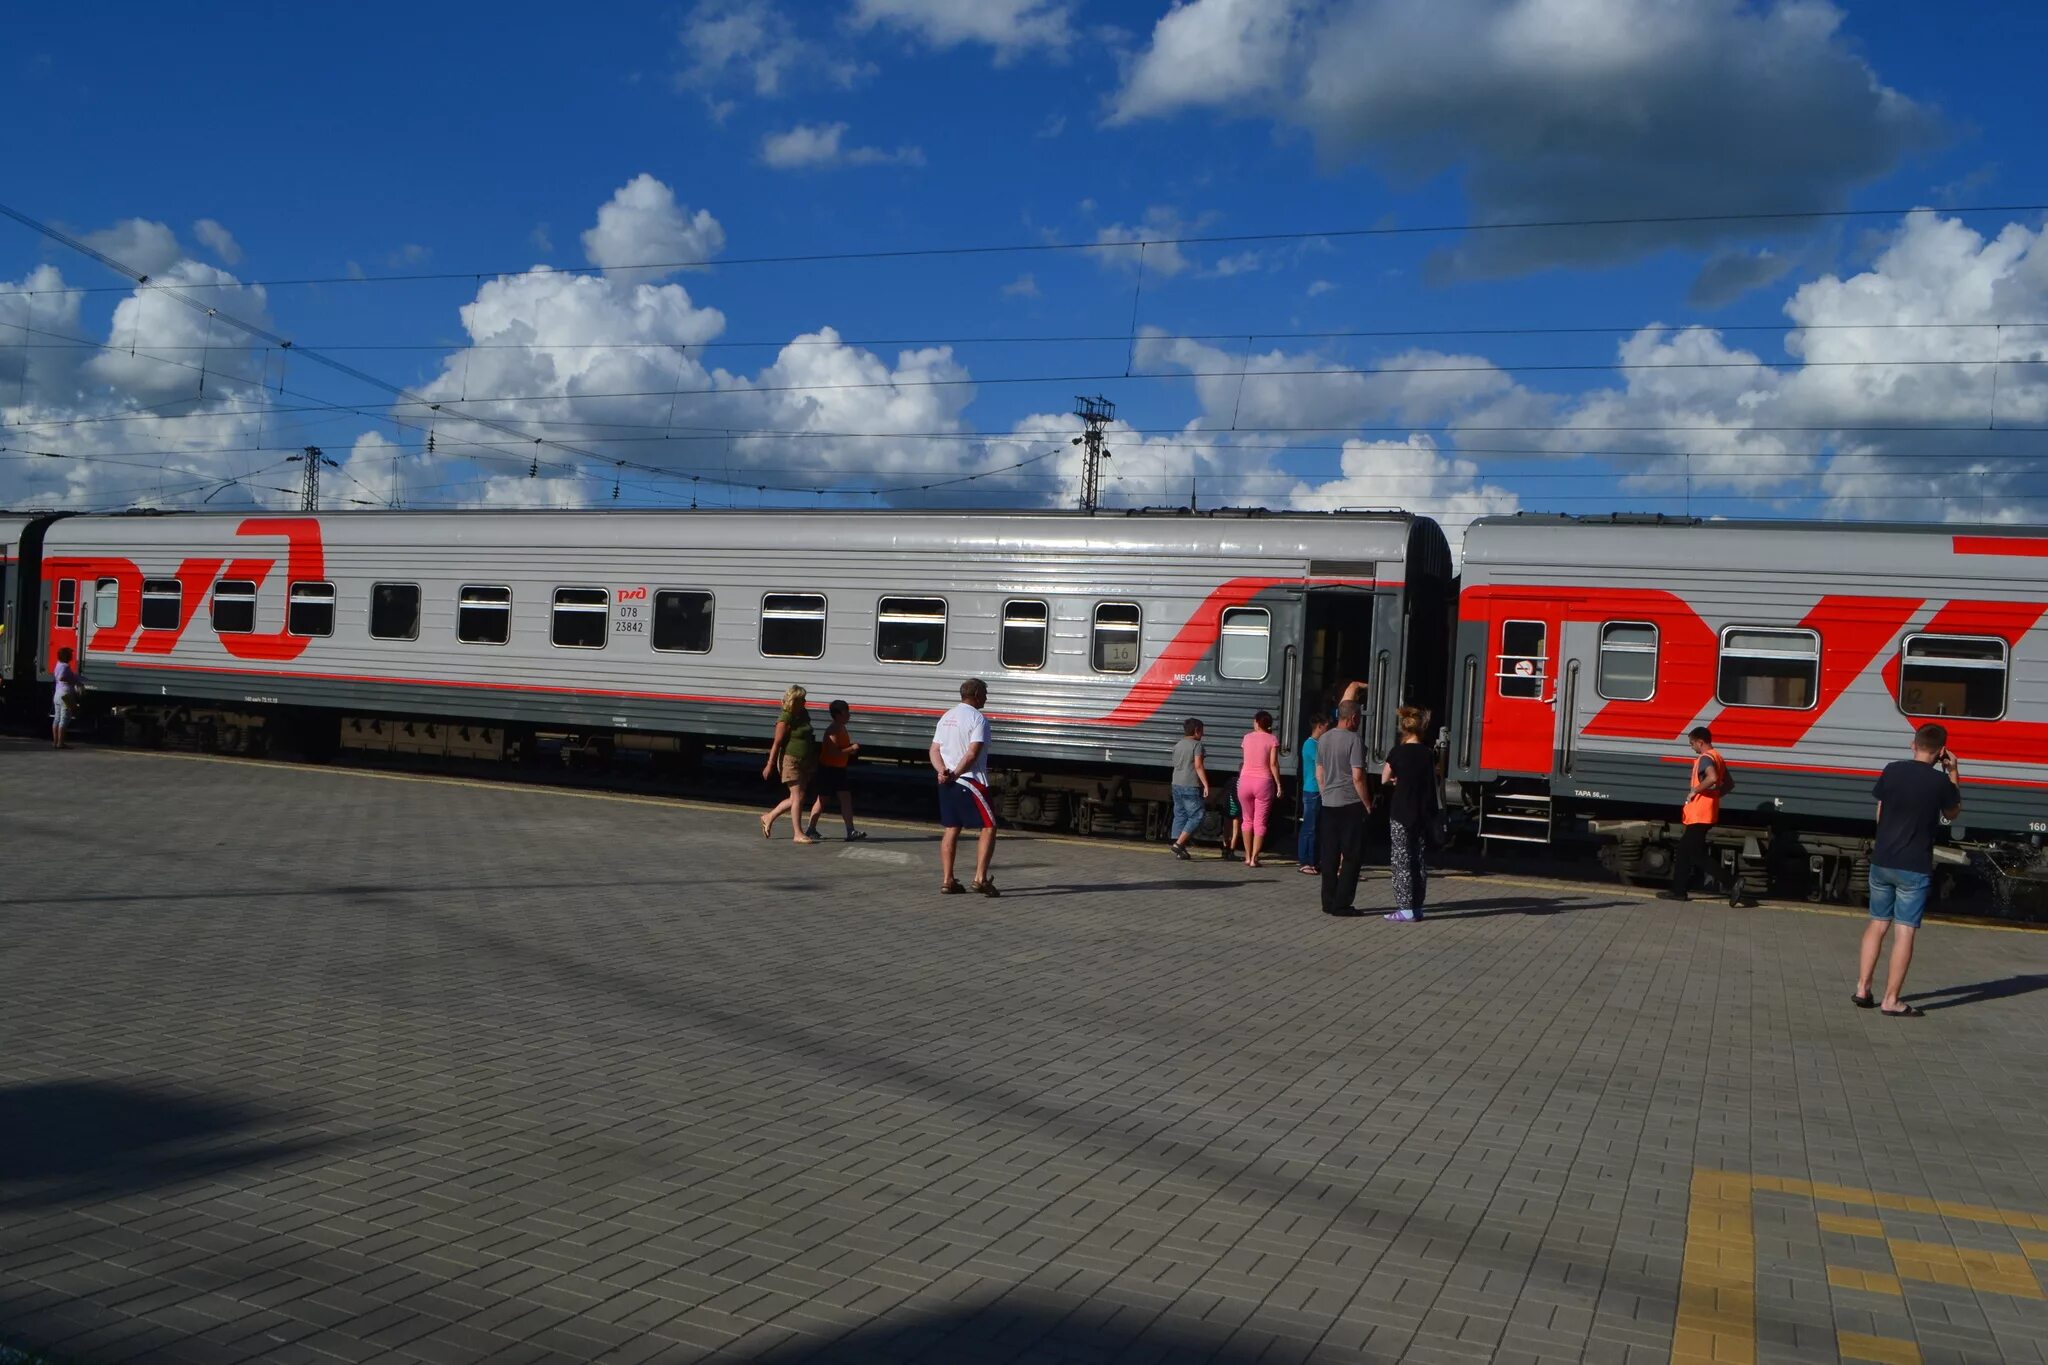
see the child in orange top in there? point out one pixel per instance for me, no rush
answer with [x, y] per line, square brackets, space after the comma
[831, 779]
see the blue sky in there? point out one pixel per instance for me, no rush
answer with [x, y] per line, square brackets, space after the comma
[474, 142]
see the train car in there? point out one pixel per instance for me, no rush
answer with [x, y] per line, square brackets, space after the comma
[470, 632]
[21, 550]
[1587, 648]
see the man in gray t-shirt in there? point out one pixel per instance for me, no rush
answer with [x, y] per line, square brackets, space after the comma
[1190, 787]
[1340, 773]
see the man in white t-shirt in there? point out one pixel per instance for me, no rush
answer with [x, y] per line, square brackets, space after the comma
[959, 755]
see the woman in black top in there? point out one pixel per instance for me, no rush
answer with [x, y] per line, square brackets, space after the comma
[1411, 773]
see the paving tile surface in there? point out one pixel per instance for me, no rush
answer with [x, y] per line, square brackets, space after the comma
[312, 1065]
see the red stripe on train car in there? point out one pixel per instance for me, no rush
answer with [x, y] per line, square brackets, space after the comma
[2018, 547]
[1143, 700]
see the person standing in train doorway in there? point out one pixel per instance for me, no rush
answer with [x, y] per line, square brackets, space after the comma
[959, 755]
[64, 701]
[1710, 782]
[1340, 776]
[1914, 795]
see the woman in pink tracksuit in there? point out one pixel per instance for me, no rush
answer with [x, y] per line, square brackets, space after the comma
[1258, 783]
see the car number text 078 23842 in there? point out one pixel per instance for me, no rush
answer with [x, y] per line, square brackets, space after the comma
[629, 611]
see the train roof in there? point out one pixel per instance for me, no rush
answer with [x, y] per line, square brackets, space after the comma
[1330, 536]
[1621, 540]
[1640, 520]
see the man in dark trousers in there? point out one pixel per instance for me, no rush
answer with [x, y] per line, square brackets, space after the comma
[1340, 773]
[1914, 795]
[1701, 813]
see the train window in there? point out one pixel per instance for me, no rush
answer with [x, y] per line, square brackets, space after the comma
[310, 609]
[1119, 627]
[910, 630]
[682, 621]
[234, 606]
[163, 603]
[1524, 659]
[792, 625]
[394, 611]
[1245, 645]
[1765, 667]
[1953, 675]
[1024, 634]
[483, 615]
[67, 603]
[1628, 661]
[106, 602]
[582, 617]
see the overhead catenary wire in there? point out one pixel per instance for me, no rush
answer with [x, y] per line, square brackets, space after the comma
[1788, 216]
[1079, 338]
[407, 396]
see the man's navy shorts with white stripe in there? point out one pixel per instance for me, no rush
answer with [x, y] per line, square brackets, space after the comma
[964, 804]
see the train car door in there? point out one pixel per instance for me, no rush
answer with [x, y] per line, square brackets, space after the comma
[1337, 649]
[1524, 642]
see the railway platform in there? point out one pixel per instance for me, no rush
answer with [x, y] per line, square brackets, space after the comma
[315, 1065]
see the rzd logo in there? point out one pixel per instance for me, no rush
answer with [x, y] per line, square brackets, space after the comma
[305, 561]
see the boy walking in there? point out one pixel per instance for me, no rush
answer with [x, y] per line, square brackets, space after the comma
[959, 755]
[1914, 795]
[1190, 787]
[832, 779]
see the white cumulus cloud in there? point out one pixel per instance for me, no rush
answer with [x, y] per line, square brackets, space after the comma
[820, 146]
[642, 224]
[1553, 109]
[1011, 27]
[218, 240]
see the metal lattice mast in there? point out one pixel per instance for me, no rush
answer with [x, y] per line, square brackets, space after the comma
[1096, 413]
[309, 487]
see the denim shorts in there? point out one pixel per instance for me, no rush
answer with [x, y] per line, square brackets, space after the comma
[1900, 897]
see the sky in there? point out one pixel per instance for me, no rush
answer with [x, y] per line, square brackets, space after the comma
[859, 253]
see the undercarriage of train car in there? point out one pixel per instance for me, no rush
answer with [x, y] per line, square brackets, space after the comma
[1053, 796]
[1820, 864]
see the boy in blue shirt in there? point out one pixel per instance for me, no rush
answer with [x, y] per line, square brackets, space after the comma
[1311, 801]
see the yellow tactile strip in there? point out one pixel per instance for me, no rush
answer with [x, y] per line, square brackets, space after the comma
[1716, 1323]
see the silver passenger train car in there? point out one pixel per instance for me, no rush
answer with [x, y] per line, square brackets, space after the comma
[1096, 635]
[1587, 647]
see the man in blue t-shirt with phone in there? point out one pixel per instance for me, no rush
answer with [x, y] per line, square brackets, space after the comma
[1914, 795]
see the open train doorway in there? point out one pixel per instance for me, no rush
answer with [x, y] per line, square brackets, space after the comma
[1337, 649]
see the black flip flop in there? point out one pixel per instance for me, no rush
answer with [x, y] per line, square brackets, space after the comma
[952, 889]
[1910, 1012]
[1863, 1002]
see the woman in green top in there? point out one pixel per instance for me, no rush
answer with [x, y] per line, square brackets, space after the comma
[795, 752]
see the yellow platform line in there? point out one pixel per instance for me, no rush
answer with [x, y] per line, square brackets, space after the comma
[1987, 1272]
[1904, 1203]
[1884, 1350]
[1869, 1281]
[1717, 1286]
